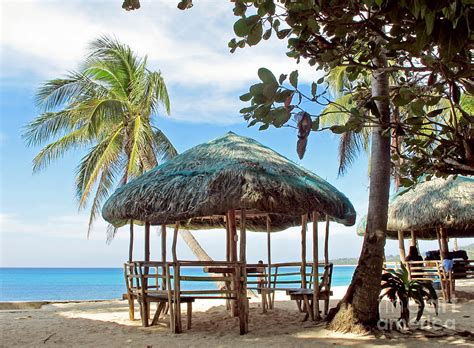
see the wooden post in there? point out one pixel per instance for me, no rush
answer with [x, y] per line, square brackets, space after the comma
[130, 246]
[147, 242]
[315, 219]
[175, 240]
[227, 238]
[444, 241]
[233, 235]
[233, 257]
[163, 255]
[243, 237]
[304, 221]
[146, 305]
[326, 242]
[176, 274]
[243, 308]
[456, 246]
[269, 250]
[401, 246]
[413, 238]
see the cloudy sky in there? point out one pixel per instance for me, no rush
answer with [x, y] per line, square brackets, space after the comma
[40, 40]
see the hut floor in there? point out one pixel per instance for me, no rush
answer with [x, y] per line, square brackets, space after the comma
[105, 323]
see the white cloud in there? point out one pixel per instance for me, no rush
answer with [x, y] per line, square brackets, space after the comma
[46, 39]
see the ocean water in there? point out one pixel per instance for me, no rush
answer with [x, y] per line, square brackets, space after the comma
[36, 284]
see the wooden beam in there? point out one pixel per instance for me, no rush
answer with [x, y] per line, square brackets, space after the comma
[304, 221]
[175, 240]
[315, 218]
[401, 246]
[130, 245]
[243, 304]
[326, 242]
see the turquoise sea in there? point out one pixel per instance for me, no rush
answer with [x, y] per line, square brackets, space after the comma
[36, 284]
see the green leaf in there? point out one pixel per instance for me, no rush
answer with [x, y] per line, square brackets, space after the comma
[429, 19]
[434, 113]
[294, 78]
[282, 78]
[338, 129]
[241, 28]
[255, 35]
[267, 76]
[263, 127]
[246, 97]
[314, 89]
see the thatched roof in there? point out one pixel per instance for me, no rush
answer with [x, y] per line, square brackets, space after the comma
[230, 172]
[446, 203]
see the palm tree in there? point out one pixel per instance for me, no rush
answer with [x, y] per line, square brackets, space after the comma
[109, 107]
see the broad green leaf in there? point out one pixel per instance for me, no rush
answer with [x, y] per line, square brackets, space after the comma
[294, 78]
[267, 76]
[241, 28]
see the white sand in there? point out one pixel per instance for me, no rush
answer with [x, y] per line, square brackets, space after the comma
[106, 324]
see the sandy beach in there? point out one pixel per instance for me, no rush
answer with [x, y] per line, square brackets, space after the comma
[106, 324]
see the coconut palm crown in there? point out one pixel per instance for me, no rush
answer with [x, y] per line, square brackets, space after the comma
[107, 107]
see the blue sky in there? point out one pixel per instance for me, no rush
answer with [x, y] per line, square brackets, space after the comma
[39, 221]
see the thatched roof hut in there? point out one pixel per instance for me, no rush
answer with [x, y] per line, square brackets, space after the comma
[431, 205]
[200, 185]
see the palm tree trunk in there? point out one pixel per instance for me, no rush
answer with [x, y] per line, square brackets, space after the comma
[360, 307]
[194, 246]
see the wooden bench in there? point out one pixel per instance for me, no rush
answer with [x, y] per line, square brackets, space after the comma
[306, 296]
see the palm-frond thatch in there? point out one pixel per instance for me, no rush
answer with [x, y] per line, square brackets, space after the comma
[200, 185]
[438, 203]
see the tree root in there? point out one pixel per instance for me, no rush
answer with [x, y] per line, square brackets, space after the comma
[345, 321]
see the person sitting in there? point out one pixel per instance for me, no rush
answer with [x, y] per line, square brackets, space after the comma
[413, 254]
[261, 277]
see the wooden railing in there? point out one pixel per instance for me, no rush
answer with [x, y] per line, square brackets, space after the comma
[163, 282]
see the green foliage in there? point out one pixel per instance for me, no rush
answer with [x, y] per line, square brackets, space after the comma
[107, 107]
[397, 287]
[429, 60]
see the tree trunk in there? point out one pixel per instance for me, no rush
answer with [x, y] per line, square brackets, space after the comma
[360, 307]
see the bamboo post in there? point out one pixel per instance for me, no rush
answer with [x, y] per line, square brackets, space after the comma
[243, 310]
[326, 242]
[401, 246]
[444, 253]
[444, 241]
[413, 238]
[176, 299]
[243, 236]
[315, 218]
[456, 246]
[233, 257]
[304, 220]
[147, 259]
[163, 254]
[233, 235]
[266, 292]
[170, 300]
[130, 246]
[227, 239]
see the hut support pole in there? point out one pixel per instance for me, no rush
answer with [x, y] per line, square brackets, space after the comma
[401, 246]
[243, 302]
[326, 242]
[163, 255]
[130, 246]
[131, 301]
[444, 253]
[176, 274]
[266, 297]
[413, 238]
[315, 219]
[326, 264]
[304, 220]
[233, 258]
[146, 305]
